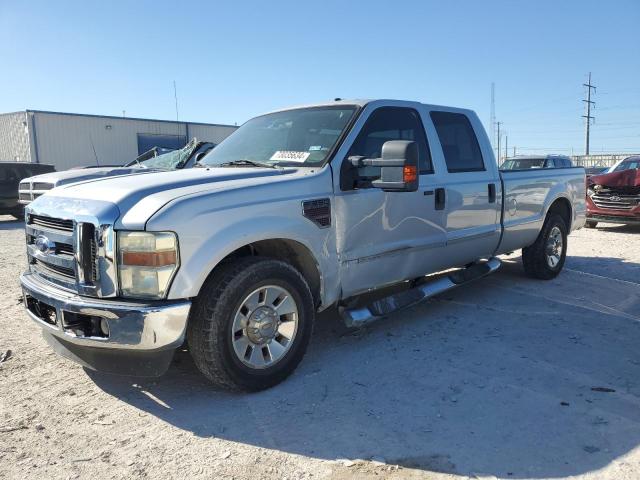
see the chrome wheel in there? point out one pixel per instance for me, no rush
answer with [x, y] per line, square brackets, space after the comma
[264, 326]
[554, 247]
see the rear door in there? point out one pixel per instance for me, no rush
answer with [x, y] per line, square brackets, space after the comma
[472, 192]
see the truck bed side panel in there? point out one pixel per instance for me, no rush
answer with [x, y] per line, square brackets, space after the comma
[528, 194]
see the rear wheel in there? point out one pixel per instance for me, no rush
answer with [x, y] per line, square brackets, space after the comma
[545, 258]
[251, 324]
[590, 224]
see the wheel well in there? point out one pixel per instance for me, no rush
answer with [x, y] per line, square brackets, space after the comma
[289, 251]
[562, 207]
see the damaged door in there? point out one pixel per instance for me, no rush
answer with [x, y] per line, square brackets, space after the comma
[387, 237]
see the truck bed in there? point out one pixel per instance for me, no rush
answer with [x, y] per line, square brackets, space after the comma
[528, 194]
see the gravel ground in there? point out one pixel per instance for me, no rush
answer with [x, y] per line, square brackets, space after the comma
[508, 378]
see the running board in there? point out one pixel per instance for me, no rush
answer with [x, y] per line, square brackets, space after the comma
[357, 317]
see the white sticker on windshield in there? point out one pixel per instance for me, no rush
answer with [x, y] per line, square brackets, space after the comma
[290, 155]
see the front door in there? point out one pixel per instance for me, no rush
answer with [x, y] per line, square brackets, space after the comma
[387, 237]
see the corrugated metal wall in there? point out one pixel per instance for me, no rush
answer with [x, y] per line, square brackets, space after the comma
[67, 140]
[207, 133]
[14, 138]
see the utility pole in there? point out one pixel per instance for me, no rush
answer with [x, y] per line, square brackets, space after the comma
[588, 116]
[498, 156]
[506, 146]
[514, 151]
[175, 95]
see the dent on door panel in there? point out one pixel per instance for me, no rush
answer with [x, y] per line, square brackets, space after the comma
[366, 262]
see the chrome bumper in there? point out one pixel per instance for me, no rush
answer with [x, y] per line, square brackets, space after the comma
[132, 328]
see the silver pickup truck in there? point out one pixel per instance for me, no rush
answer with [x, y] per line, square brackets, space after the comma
[297, 211]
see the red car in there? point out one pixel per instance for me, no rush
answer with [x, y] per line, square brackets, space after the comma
[614, 197]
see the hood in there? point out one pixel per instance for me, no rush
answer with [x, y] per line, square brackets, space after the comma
[139, 196]
[624, 178]
[72, 176]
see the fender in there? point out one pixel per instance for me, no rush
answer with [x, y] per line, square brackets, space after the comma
[203, 244]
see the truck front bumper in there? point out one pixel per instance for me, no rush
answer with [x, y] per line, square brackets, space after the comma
[112, 336]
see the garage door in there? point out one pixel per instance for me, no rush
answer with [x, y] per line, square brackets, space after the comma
[147, 141]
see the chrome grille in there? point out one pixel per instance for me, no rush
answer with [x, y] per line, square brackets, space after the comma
[76, 255]
[615, 199]
[42, 186]
[51, 269]
[51, 223]
[27, 191]
[64, 249]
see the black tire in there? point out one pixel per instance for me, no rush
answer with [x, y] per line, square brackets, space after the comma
[534, 257]
[590, 224]
[210, 324]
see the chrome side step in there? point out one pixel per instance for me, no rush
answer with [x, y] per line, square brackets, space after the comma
[357, 317]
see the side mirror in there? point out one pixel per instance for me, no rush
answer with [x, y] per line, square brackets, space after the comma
[398, 166]
[200, 156]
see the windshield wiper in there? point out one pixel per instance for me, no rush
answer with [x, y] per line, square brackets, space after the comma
[245, 162]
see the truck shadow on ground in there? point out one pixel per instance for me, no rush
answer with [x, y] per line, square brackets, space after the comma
[509, 377]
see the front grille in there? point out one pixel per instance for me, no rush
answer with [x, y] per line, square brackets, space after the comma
[24, 196]
[69, 254]
[64, 249]
[615, 199]
[42, 186]
[93, 258]
[51, 269]
[51, 223]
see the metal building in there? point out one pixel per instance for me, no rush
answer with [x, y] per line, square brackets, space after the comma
[68, 140]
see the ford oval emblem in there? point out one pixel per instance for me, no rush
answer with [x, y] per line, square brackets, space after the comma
[44, 245]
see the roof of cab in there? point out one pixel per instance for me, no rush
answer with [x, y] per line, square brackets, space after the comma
[363, 102]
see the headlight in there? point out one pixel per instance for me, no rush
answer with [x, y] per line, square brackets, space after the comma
[147, 262]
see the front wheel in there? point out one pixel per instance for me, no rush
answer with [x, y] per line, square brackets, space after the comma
[251, 324]
[545, 258]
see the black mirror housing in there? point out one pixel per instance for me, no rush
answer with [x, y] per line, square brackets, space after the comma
[398, 167]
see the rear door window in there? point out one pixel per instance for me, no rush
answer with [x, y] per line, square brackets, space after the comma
[459, 143]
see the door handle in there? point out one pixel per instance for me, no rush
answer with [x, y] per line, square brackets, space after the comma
[492, 193]
[440, 198]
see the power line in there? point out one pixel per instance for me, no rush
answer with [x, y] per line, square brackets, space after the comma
[588, 116]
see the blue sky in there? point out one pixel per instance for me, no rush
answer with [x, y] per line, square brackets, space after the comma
[232, 60]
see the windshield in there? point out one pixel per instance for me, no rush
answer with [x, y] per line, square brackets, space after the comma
[523, 163]
[171, 160]
[628, 165]
[302, 137]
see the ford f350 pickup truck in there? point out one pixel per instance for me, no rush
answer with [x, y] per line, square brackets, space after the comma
[298, 210]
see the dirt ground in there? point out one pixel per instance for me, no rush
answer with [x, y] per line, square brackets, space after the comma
[507, 378]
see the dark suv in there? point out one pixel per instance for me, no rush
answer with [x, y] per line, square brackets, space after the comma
[10, 175]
